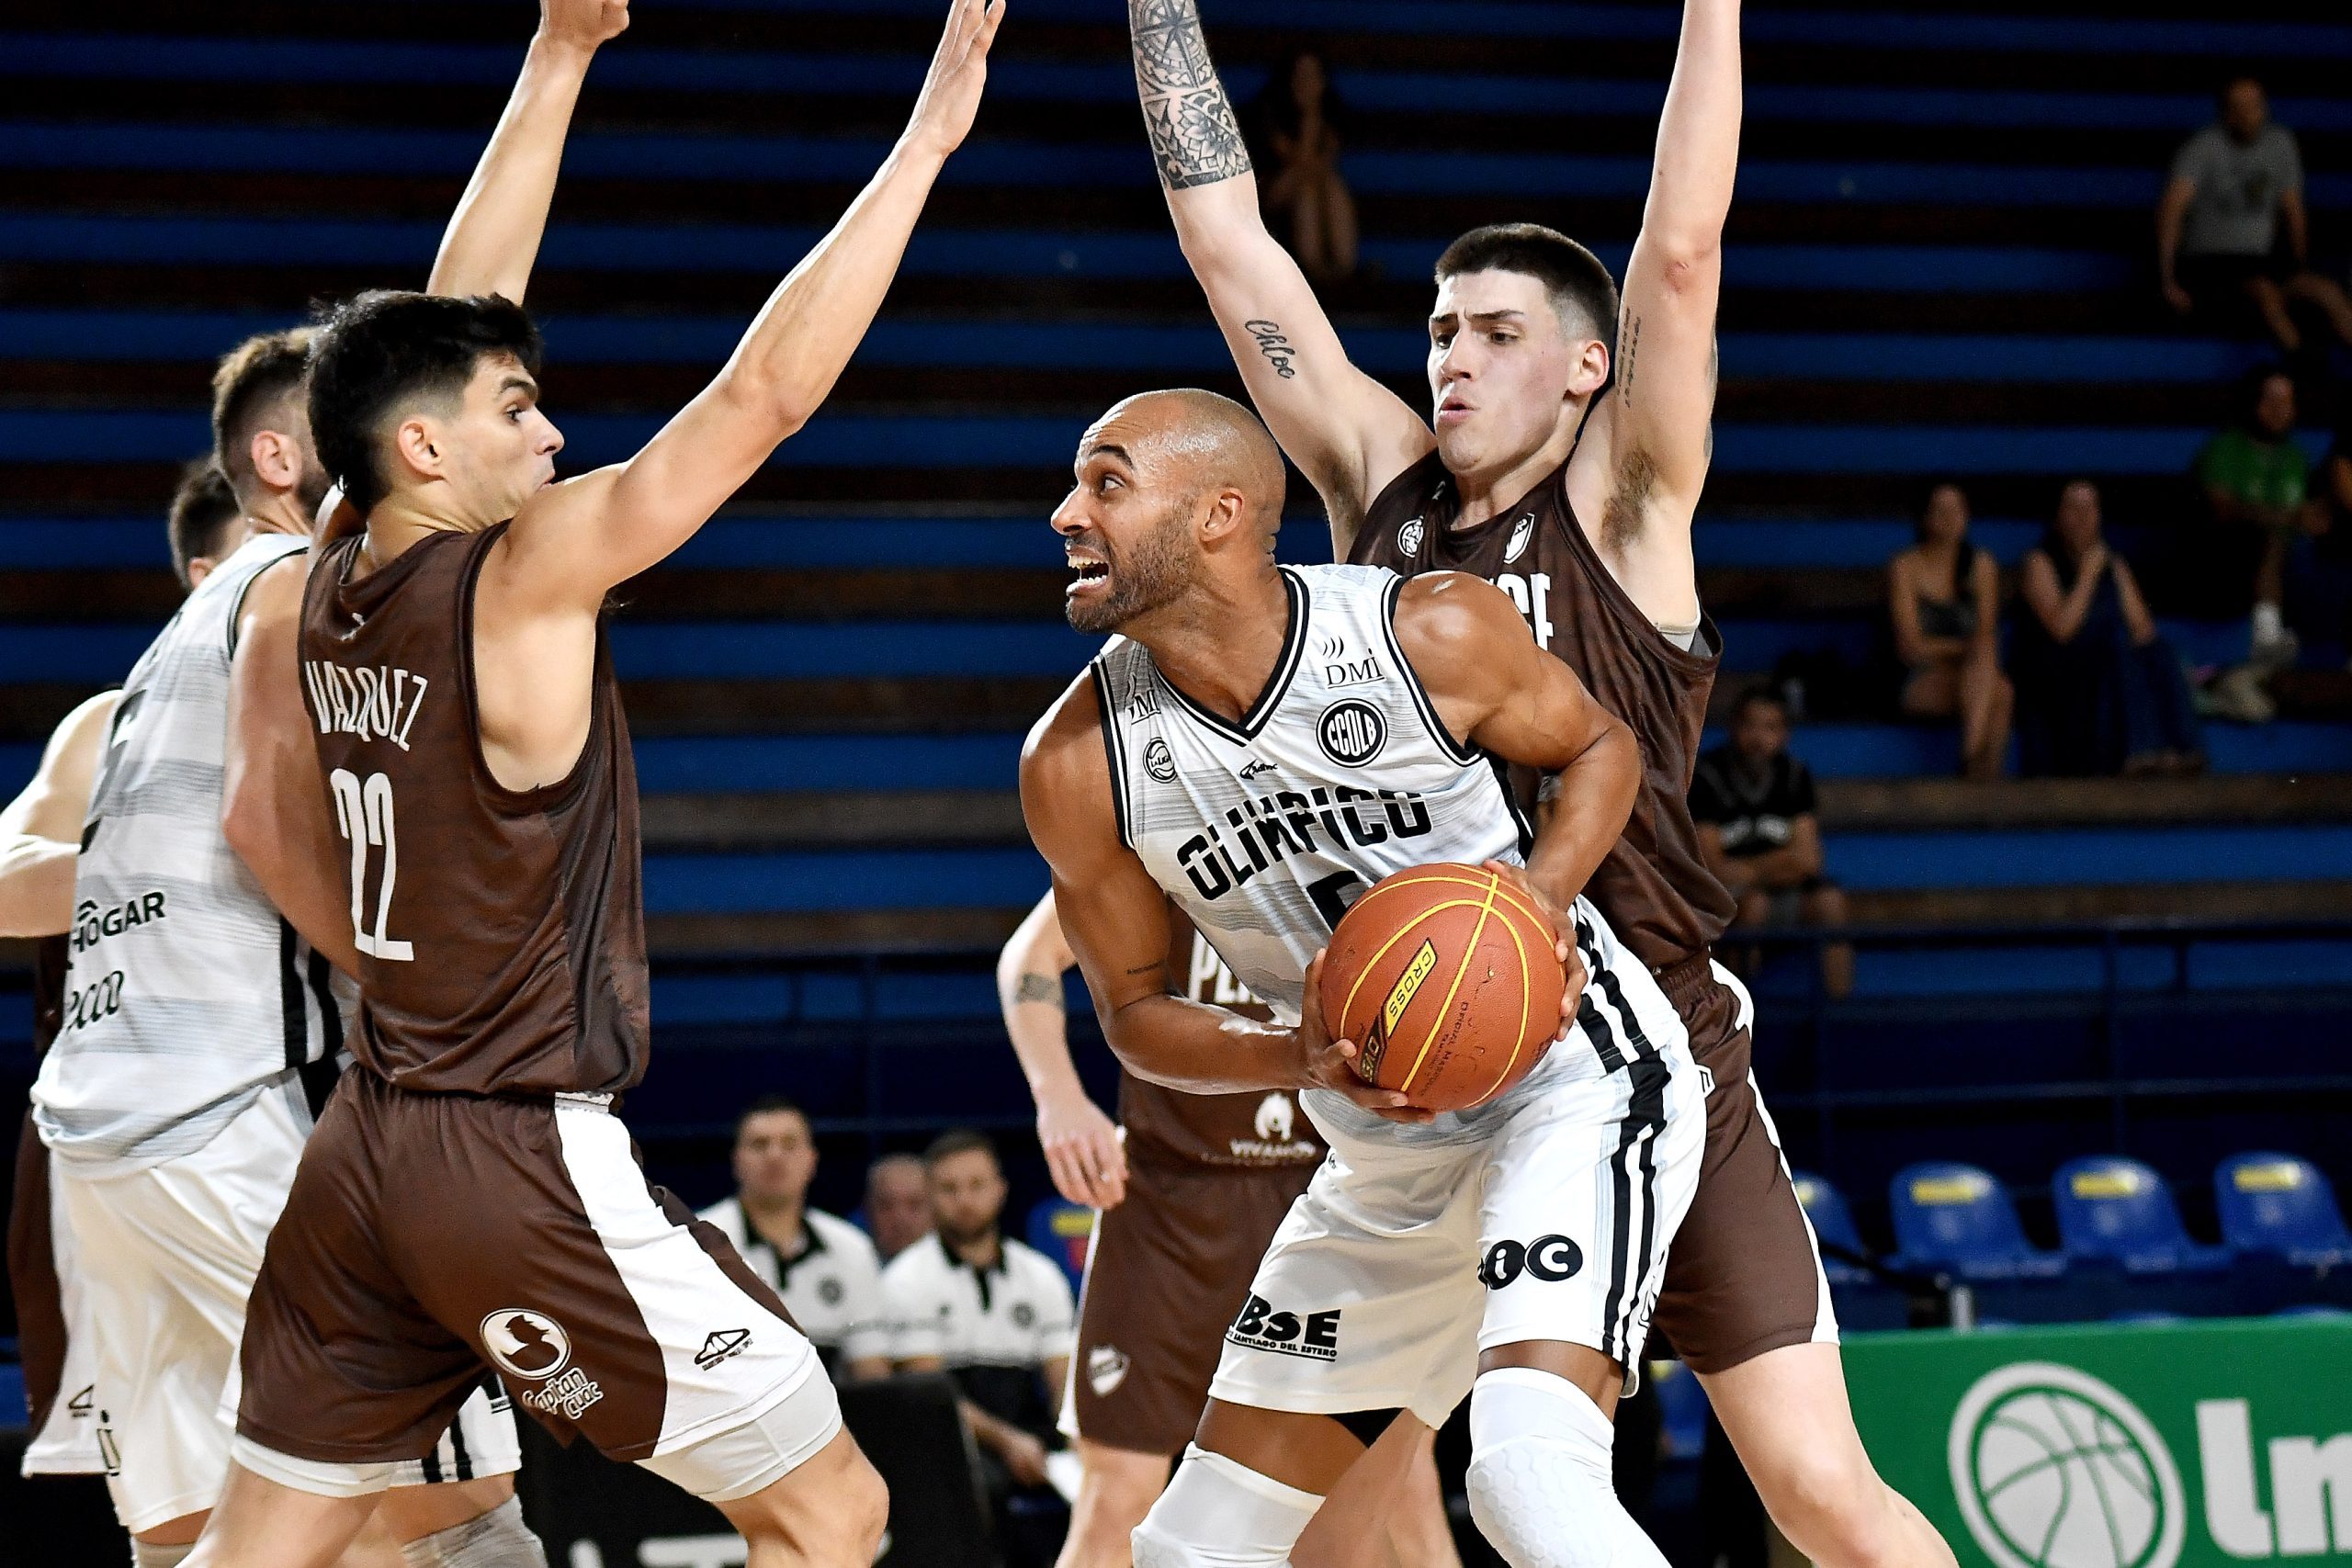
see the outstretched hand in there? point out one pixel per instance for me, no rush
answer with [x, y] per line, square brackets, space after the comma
[582, 24]
[1321, 1061]
[959, 71]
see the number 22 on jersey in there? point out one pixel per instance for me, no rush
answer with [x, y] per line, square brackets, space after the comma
[363, 809]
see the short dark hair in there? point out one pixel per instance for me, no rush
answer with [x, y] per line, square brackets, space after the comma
[254, 381]
[1573, 277]
[202, 509]
[387, 350]
[769, 1105]
[961, 1141]
[1761, 695]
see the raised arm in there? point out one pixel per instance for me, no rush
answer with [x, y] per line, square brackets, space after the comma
[1500, 691]
[572, 542]
[40, 830]
[273, 805]
[1656, 421]
[1082, 1145]
[493, 237]
[1116, 918]
[1348, 434]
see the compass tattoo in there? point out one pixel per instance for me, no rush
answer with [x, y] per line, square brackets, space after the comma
[1194, 137]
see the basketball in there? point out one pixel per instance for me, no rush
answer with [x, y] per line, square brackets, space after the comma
[1449, 979]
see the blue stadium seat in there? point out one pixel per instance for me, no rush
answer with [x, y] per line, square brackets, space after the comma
[2280, 1205]
[2119, 1211]
[1683, 1406]
[1833, 1223]
[1959, 1218]
[1062, 1230]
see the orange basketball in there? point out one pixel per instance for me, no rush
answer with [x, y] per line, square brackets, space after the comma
[1450, 981]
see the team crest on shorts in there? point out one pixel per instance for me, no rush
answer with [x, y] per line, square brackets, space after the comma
[1106, 1369]
[526, 1343]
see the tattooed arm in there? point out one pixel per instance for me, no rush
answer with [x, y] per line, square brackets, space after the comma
[1348, 434]
[1655, 439]
[1083, 1148]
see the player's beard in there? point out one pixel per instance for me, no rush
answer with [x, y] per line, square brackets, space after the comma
[1153, 574]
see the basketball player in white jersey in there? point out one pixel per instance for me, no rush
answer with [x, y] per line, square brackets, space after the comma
[202, 1025]
[1260, 744]
[40, 831]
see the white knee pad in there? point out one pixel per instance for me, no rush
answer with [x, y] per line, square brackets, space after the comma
[1219, 1514]
[1538, 1481]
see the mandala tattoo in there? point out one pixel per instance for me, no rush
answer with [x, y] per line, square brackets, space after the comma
[1194, 137]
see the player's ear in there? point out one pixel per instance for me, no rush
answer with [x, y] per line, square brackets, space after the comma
[276, 458]
[1229, 515]
[419, 452]
[1592, 371]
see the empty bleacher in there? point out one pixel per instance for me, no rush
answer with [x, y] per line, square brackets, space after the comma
[1937, 265]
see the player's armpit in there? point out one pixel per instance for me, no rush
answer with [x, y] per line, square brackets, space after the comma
[274, 803]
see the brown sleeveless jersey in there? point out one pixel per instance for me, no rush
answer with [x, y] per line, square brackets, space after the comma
[501, 932]
[1655, 887]
[1253, 1131]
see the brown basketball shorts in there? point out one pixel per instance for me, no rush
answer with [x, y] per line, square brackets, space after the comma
[1744, 1274]
[1168, 1270]
[428, 1237]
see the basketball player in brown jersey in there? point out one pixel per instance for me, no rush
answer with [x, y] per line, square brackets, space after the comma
[1190, 1188]
[1569, 478]
[470, 1200]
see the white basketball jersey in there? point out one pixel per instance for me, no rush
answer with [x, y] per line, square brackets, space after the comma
[1263, 829]
[187, 996]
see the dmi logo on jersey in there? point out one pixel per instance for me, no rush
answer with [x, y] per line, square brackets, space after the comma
[1143, 702]
[1551, 1259]
[1520, 532]
[719, 1344]
[1106, 1369]
[1352, 732]
[1158, 761]
[525, 1344]
[1408, 536]
[1314, 1334]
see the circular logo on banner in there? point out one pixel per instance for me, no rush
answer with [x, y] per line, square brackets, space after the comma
[526, 1343]
[1160, 762]
[2054, 1469]
[1352, 732]
[1408, 538]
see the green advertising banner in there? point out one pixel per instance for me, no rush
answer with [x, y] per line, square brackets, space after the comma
[2098, 1446]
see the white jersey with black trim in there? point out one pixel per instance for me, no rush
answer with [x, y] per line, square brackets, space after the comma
[1263, 829]
[188, 996]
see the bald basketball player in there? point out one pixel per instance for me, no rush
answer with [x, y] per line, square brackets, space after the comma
[1568, 474]
[1260, 745]
[470, 1202]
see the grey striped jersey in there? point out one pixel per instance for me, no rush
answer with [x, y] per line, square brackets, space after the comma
[187, 996]
[1264, 828]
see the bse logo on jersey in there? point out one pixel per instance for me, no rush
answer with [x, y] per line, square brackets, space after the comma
[1314, 1334]
[1351, 733]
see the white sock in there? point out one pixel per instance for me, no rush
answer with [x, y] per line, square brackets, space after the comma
[498, 1539]
[1540, 1486]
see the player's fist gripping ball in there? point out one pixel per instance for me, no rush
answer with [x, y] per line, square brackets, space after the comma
[1449, 982]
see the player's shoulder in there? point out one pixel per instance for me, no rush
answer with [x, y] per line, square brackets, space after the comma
[842, 1237]
[1449, 612]
[1064, 763]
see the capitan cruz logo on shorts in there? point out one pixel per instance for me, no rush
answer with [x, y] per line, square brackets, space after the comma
[1550, 1258]
[1314, 1334]
[534, 1347]
[1106, 1369]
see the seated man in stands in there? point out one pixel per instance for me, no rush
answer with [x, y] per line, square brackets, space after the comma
[2255, 481]
[2220, 250]
[1754, 807]
[823, 1267]
[898, 1203]
[997, 1316]
[1944, 603]
[2099, 691]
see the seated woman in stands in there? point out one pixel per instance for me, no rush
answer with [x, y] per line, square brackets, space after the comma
[1944, 600]
[2099, 691]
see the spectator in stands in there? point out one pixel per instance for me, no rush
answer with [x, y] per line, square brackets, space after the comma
[823, 1267]
[2255, 482]
[2220, 248]
[1944, 599]
[997, 1318]
[1297, 122]
[2099, 691]
[898, 1203]
[1761, 830]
